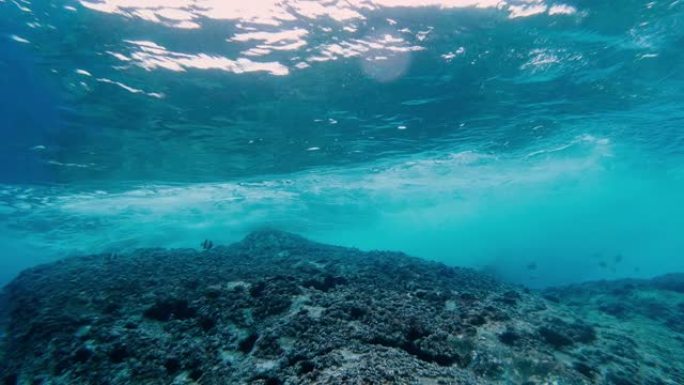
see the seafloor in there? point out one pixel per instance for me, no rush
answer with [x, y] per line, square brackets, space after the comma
[278, 309]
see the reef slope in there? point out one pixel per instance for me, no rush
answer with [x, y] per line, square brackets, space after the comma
[278, 309]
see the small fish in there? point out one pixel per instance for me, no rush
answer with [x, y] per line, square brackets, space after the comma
[207, 244]
[603, 264]
[618, 258]
[532, 266]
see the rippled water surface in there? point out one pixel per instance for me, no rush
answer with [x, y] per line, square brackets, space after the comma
[539, 140]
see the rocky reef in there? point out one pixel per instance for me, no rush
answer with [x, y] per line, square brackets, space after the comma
[278, 309]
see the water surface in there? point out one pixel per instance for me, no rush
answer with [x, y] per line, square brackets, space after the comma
[540, 140]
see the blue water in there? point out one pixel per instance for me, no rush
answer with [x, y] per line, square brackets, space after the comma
[542, 141]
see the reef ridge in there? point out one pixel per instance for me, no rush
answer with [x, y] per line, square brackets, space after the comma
[277, 309]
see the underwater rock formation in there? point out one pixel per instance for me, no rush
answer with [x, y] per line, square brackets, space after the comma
[279, 309]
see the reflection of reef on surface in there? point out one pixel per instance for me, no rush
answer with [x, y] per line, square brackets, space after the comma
[278, 309]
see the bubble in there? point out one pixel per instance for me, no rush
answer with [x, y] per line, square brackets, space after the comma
[387, 57]
[386, 68]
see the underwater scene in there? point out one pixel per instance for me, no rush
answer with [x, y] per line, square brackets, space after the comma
[294, 192]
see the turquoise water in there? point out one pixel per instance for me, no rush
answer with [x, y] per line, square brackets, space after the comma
[541, 141]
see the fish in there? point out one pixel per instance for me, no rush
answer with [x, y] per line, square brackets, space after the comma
[207, 244]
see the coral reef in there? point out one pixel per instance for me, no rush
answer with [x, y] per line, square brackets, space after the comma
[279, 309]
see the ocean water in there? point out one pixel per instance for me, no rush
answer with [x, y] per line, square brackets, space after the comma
[541, 141]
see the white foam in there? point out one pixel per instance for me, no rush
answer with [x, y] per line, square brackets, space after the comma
[455, 199]
[19, 39]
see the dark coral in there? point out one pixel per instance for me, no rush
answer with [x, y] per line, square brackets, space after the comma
[166, 309]
[560, 333]
[509, 337]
